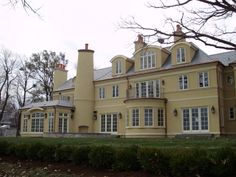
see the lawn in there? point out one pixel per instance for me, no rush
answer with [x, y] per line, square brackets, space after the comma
[144, 142]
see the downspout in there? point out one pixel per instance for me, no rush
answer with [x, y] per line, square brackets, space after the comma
[165, 117]
[218, 93]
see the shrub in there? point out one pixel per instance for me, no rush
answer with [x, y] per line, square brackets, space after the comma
[63, 153]
[4, 147]
[80, 155]
[32, 151]
[126, 158]
[102, 157]
[222, 162]
[20, 150]
[47, 153]
[154, 160]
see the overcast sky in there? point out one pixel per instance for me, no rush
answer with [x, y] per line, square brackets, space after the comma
[66, 25]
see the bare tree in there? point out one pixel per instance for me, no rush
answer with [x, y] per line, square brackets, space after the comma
[25, 4]
[8, 66]
[208, 21]
[42, 65]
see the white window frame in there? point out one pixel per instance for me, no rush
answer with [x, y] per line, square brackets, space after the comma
[181, 55]
[148, 89]
[115, 91]
[118, 67]
[231, 113]
[183, 82]
[203, 79]
[198, 119]
[101, 92]
[64, 119]
[160, 117]
[109, 123]
[148, 117]
[147, 60]
[37, 122]
[50, 122]
[25, 123]
[135, 117]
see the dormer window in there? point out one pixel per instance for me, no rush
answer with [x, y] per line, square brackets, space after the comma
[147, 60]
[118, 67]
[181, 55]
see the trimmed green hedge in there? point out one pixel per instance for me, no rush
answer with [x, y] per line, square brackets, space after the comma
[178, 162]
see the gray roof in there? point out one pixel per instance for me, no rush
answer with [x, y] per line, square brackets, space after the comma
[104, 73]
[61, 103]
[69, 84]
[225, 58]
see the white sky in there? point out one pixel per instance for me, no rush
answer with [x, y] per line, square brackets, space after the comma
[66, 25]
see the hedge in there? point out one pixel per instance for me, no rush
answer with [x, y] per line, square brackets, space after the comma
[178, 162]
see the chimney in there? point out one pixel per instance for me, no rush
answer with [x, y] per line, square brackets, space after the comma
[86, 46]
[179, 36]
[139, 43]
[59, 76]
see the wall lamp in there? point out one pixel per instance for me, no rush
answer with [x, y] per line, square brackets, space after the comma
[175, 112]
[45, 115]
[163, 82]
[95, 115]
[213, 110]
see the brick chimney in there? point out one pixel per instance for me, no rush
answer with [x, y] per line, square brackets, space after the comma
[139, 43]
[179, 36]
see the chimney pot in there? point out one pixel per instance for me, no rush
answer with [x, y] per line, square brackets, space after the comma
[86, 46]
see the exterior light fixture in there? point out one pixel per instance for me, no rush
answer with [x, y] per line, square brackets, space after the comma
[45, 115]
[175, 112]
[163, 82]
[95, 115]
[213, 110]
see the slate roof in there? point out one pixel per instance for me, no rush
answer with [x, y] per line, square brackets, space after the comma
[69, 84]
[61, 103]
[225, 58]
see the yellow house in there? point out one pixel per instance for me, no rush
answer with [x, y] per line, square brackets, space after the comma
[178, 90]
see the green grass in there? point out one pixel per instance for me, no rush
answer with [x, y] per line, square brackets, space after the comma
[146, 142]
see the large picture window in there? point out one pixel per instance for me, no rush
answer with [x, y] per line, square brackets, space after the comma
[109, 123]
[148, 116]
[50, 122]
[195, 119]
[63, 123]
[135, 117]
[37, 122]
[148, 89]
[147, 60]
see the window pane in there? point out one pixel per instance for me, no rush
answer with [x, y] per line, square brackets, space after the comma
[186, 120]
[160, 117]
[148, 117]
[114, 123]
[195, 119]
[103, 123]
[109, 123]
[204, 118]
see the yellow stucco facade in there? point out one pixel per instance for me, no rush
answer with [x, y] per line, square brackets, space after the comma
[158, 92]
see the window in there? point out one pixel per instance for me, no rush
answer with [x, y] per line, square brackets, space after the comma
[148, 89]
[37, 122]
[147, 60]
[118, 67]
[180, 55]
[65, 98]
[183, 82]
[63, 123]
[115, 91]
[135, 117]
[160, 117]
[50, 122]
[230, 79]
[101, 92]
[148, 117]
[195, 119]
[231, 113]
[203, 79]
[109, 123]
[25, 123]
